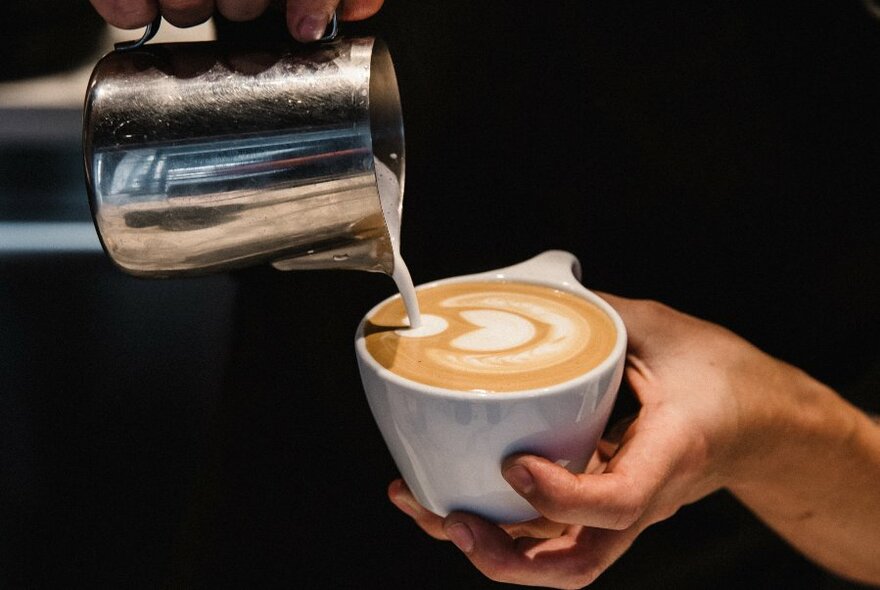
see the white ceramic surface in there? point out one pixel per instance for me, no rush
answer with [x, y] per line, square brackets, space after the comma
[449, 445]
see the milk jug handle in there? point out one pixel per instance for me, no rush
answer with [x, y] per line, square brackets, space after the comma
[149, 33]
[556, 266]
[153, 28]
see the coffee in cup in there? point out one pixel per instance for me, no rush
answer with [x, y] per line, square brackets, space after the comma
[491, 336]
[521, 359]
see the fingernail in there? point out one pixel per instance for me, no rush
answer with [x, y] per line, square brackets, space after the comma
[311, 27]
[520, 478]
[460, 534]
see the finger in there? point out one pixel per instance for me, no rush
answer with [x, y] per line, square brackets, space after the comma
[359, 9]
[653, 328]
[639, 316]
[569, 561]
[307, 19]
[611, 440]
[654, 331]
[538, 528]
[402, 497]
[598, 460]
[186, 13]
[615, 499]
[242, 10]
[607, 501]
[127, 14]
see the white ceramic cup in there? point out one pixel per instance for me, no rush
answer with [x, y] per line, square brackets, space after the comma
[449, 444]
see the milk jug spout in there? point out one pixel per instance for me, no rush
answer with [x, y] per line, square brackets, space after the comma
[203, 157]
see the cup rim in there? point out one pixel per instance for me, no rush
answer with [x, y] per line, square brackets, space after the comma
[575, 288]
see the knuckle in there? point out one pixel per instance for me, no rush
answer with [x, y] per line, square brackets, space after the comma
[587, 571]
[584, 579]
[578, 575]
[576, 584]
[654, 307]
[498, 568]
[628, 513]
[623, 520]
[495, 572]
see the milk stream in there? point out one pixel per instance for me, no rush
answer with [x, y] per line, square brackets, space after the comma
[392, 202]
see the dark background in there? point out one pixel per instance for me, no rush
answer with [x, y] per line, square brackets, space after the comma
[720, 157]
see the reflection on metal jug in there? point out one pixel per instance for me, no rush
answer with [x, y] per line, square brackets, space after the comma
[202, 157]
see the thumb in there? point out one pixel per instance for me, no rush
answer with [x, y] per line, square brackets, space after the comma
[615, 499]
[607, 501]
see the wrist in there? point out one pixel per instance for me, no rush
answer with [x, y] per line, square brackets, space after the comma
[791, 419]
[813, 478]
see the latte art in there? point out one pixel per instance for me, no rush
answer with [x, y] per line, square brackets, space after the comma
[492, 336]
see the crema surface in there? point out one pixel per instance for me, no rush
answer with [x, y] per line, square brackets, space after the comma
[491, 336]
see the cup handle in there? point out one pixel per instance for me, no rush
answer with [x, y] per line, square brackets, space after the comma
[555, 266]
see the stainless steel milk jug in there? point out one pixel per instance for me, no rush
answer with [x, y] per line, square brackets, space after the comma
[203, 157]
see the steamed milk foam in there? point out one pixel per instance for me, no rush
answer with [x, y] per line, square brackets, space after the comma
[491, 337]
[390, 193]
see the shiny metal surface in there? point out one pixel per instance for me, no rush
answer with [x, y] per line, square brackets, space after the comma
[201, 157]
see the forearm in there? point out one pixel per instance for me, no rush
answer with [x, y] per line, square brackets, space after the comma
[812, 473]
